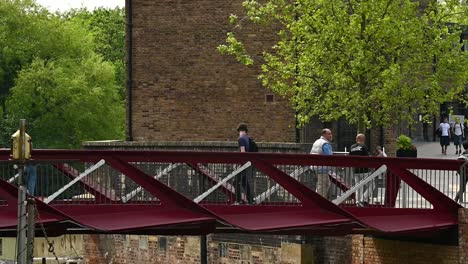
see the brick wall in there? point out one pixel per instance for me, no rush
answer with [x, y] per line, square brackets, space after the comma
[184, 90]
[357, 249]
[332, 249]
[184, 249]
[370, 250]
[389, 139]
[463, 235]
[94, 252]
[135, 249]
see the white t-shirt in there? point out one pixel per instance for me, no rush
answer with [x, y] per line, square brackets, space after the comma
[445, 127]
[458, 129]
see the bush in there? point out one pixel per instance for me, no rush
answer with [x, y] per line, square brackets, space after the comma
[404, 142]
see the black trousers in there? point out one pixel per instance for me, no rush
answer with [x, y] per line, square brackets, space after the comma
[242, 185]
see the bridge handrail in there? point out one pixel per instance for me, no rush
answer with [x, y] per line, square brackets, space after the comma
[238, 158]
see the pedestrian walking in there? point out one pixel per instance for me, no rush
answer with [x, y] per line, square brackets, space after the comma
[242, 180]
[444, 135]
[458, 135]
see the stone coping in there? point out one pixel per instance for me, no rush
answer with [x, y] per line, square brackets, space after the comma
[207, 144]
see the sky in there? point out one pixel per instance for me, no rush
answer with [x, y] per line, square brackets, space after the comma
[64, 5]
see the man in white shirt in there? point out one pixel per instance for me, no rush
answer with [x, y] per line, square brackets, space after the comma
[445, 135]
[322, 146]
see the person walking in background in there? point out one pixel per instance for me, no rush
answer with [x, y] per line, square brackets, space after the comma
[360, 149]
[458, 132]
[322, 146]
[242, 179]
[444, 135]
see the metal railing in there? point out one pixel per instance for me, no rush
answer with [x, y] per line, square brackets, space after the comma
[90, 177]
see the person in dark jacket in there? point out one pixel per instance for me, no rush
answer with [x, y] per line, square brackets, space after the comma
[360, 149]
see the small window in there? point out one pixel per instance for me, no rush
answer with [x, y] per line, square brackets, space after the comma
[162, 244]
[269, 98]
[223, 250]
[1, 247]
[143, 242]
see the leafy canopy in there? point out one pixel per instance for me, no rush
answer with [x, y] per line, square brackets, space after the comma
[59, 73]
[372, 62]
[68, 101]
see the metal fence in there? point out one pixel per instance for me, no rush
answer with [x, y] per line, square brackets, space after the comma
[87, 177]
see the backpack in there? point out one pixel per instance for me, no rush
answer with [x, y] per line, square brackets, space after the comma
[253, 147]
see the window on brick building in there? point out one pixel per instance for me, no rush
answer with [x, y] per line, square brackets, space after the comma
[245, 253]
[162, 244]
[1, 247]
[223, 250]
[127, 241]
[143, 242]
[270, 98]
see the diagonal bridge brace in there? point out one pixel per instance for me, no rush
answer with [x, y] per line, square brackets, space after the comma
[439, 200]
[310, 199]
[92, 187]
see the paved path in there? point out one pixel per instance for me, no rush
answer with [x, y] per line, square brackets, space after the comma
[434, 151]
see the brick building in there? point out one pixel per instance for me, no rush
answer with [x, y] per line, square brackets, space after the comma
[182, 89]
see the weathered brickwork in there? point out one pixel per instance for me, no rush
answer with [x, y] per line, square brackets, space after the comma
[93, 250]
[369, 250]
[332, 249]
[463, 235]
[155, 249]
[389, 139]
[357, 249]
[184, 90]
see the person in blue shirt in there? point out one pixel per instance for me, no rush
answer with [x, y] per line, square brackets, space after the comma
[322, 146]
[242, 180]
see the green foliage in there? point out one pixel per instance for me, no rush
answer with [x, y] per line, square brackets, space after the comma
[107, 27]
[404, 142]
[63, 73]
[67, 101]
[371, 62]
[20, 22]
[236, 48]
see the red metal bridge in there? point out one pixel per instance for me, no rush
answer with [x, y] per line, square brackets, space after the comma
[191, 193]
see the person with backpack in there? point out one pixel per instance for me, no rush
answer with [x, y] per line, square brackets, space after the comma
[242, 180]
[463, 172]
[458, 132]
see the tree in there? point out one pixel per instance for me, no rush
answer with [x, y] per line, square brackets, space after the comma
[28, 31]
[67, 101]
[108, 29]
[51, 74]
[19, 26]
[371, 62]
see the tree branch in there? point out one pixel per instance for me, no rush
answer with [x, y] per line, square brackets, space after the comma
[386, 8]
